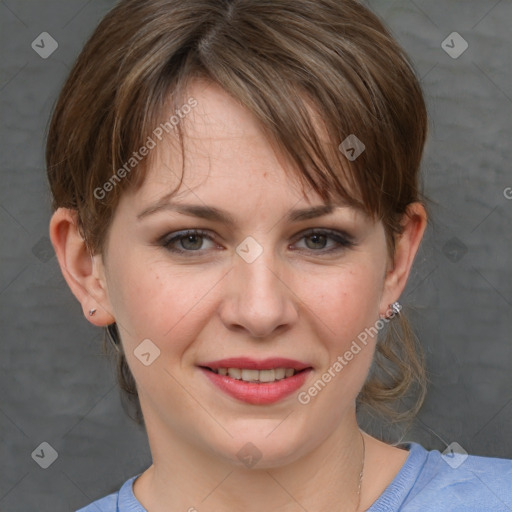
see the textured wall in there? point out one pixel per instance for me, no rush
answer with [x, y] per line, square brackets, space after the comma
[58, 389]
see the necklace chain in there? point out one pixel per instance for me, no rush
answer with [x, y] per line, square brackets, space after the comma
[361, 473]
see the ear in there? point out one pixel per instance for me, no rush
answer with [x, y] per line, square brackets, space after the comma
[84, 273]
[407, 243]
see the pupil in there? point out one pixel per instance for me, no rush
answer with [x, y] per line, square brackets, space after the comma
[318, 239]
[191, 238]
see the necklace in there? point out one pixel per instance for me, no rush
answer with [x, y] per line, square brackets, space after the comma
[361, 473]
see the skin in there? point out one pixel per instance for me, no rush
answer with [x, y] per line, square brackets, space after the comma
[295, 300]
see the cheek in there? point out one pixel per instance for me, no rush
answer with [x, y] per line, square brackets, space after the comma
[152, 299]
[346, 302]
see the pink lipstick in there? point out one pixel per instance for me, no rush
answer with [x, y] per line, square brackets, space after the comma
[257, 382]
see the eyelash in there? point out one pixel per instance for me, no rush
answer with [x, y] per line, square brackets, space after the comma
[343, 240]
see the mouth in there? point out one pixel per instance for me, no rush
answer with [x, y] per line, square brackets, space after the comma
[256, 382]
[256, 376]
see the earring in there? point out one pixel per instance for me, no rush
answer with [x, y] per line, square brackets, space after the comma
[112, 336]
[92, 312]
[396, 307]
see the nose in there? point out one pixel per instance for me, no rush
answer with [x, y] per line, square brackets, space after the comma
[258, 299]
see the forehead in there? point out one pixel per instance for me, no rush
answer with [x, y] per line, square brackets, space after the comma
[224, 152]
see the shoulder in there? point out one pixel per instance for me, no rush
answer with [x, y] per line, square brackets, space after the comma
[121, 501]
[106, 504]
[448, 482]
[456, 481]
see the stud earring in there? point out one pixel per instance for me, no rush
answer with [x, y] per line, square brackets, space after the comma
[396, 307]
[92, 312]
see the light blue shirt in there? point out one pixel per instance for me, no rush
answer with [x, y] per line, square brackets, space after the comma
[428, 481]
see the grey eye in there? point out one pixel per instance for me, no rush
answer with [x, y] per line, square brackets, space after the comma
[191, 242]
[318, 241]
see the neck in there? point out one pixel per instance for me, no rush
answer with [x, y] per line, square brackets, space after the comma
[184, 477]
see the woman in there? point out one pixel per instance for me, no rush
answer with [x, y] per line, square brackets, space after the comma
[236, 200]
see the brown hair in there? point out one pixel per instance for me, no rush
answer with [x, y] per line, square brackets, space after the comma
[278, 58]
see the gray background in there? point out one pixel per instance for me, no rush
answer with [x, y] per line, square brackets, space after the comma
[58, 388]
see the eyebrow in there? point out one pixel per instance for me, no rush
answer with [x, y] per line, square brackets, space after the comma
[216, 214]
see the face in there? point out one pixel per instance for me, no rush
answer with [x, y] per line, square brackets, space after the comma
[266, 290]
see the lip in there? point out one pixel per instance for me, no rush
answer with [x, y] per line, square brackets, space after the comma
[255, 364]
[257, 393]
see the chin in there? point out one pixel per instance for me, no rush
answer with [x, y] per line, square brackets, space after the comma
[262, 445]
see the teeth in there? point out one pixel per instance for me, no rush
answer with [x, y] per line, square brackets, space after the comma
[256, 375]
[250, 375]
[267, 375]
[280, 373]
[235, 373]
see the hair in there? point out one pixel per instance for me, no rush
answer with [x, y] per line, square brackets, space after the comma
[290, 63]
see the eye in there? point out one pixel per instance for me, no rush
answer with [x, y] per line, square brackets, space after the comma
[317, 240]
[191, 240]
[320, 241]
